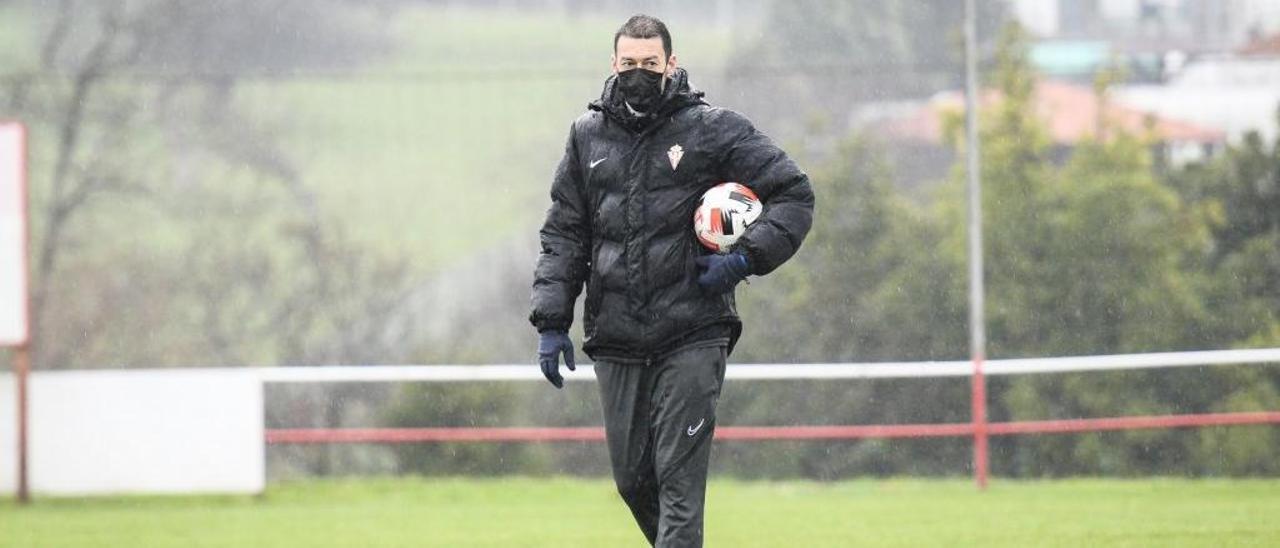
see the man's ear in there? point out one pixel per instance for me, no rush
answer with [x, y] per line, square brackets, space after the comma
[671, 65]
[613, 63]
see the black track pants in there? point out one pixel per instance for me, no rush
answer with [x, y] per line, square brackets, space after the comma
[659, 419]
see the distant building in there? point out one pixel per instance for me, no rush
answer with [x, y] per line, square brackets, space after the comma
[1080, 61]
[1213, 63]
[1264, 46]
[1232, 93]
[1070, 114]
[1149, 40]
[1146, 25]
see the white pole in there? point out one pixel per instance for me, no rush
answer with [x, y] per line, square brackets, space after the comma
[977, 326]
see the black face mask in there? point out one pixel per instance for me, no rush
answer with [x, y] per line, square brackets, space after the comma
[640, 88]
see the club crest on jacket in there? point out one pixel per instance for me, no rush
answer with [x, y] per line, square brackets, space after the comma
[674, 154]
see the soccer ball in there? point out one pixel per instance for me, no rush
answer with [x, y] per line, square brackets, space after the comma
[723, 215]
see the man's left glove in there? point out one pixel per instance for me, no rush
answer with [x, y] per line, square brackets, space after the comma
[722, 272]
[550, 344]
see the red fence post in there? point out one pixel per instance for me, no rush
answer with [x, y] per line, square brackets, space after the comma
[22, 369]
[979, 406]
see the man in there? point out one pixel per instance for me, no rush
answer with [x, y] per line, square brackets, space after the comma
[659, 316]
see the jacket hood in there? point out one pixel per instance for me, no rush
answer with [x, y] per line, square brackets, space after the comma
[678, 94]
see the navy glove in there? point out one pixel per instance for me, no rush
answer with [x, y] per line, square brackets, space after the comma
[550, 345]
[722, 272]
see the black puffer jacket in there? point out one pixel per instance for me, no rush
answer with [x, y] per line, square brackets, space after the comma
[621, 221]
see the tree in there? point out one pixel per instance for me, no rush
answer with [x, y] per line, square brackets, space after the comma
[1097, 257]
[1238, 196]
[866, 286]
[171, 226]
[133, 112]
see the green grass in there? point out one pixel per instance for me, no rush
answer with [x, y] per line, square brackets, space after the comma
[449, 144]
[573, 512]
[443, 145]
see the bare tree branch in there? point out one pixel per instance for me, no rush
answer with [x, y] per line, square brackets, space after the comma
[57, 35]
[69, 134]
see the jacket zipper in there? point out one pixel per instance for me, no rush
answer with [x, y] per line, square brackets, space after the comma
[638, 149]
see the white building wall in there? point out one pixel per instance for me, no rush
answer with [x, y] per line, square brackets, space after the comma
[1261, 16]
[137, 431]
[1040, 17]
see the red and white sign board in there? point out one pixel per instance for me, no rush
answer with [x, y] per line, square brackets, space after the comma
[13, 234]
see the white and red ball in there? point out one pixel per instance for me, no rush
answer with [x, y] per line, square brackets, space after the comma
[723, 215]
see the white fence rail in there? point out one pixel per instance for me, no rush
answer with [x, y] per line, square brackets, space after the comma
[871, 370]
[201, 430]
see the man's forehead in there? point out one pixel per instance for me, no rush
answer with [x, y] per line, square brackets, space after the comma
[639, 48]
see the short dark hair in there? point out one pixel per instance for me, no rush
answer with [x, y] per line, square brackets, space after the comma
[644, 26]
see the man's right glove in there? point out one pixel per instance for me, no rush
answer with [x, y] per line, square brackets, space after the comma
[550, 344]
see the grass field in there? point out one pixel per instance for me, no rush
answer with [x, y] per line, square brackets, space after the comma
[450, 143]
[573, 512]
[443, 144]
